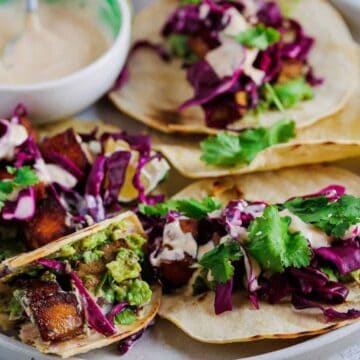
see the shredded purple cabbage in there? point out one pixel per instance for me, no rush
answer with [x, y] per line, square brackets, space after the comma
[52, 264]
[93, 189]
[330, 314]
[346, 258]
[66, 163]
[116, 166]
[223, 297]
[116, 310]
[23, 208]
[97, 320]
[207, 84]
[202, 24]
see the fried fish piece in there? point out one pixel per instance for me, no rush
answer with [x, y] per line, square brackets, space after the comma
[56, 313]
[66, 145]
[48, 223]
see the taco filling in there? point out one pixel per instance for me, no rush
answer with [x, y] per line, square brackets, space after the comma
[53, 186]
[241, 58]
[93, 285]
[304, 251]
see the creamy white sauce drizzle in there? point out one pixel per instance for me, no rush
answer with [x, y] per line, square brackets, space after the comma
[231, 56]
[58, 43]
[316, 237]
[16, 135]
[175, 245]
[59, 175]
[52, 173]
[204, 11]
[237, 23]
[227, 58]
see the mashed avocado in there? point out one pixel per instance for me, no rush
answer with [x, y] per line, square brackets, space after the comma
[95, 240]
[136, 242]
[125, 317]
[125, 266]
[136, 292]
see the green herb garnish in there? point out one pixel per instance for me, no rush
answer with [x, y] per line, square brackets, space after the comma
[189, 207]
[273, 245]
[227, 149]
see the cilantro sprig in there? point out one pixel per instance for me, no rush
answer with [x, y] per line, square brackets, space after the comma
[274, 246]
[22, 177]
[333, 217]
[288, 93]
[188, 207]
[259, 37]
[179, 46]
[227, 149]
[219, 260]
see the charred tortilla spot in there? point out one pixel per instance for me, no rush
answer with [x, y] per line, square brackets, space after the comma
[165, 117]
[47, 225]
[67, 145]
[202, 297]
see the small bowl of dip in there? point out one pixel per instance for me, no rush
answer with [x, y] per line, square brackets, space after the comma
[64, 58]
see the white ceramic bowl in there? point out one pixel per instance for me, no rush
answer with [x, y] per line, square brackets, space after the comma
[53, 100]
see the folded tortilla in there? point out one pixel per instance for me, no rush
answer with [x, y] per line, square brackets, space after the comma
[156, 89]
[92, 339]
[332, 138]
[195, 315]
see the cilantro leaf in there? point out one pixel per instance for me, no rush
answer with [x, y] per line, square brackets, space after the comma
[25, 176]
[188, 207]
[332, 217]
[226, 149]
[187, 2]
[259, 37]
[273, 246]
[22, 177]
[291, 92]
[179, 46]
[218, 260]
[298, 253]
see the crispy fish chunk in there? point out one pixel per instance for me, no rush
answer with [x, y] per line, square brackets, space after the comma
[66, 145]
[57, 314]
[48, 224]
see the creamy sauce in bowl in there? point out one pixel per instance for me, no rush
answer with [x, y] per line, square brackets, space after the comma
[50, 46]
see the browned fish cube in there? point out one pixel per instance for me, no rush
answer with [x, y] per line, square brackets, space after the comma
[175, 274]
[198, 46]
[67, 145]
[291, 69]
[189, 226]
[58, 316]
[48, 223]
[37, 289]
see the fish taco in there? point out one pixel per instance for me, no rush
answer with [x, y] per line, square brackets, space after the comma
[61, 178]
[271, 255]
[207, 65]
[81, 292]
